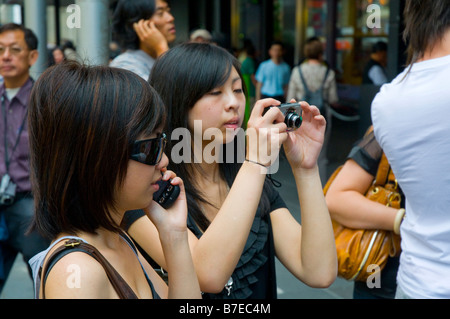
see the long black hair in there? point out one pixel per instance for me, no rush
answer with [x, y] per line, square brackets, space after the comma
[182, 76]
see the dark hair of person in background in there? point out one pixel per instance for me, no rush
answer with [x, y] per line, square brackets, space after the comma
[30, 38]
[313, 49]
[81, 141]
[127, 13]
[421, 21]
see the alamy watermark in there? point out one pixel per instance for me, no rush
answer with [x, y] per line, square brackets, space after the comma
[374, 279]
[74, 18]
[212, 145]
[374, 19]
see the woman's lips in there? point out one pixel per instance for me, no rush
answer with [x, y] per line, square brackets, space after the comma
[233, 123]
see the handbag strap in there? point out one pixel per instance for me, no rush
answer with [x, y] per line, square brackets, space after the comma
[72, 245]
[384, 173]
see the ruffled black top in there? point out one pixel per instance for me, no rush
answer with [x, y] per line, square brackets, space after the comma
[254, 276]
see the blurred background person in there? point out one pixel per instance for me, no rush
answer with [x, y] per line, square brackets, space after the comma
[18, 52]
[375, 70]
[272, 75]
[144, 29]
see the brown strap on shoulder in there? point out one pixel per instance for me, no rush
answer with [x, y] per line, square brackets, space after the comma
[384, 173]
[120, 286]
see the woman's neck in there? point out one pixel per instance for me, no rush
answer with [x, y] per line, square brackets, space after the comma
[209, 172]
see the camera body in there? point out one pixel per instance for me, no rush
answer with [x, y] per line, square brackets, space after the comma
[7, 191]
[292, 114]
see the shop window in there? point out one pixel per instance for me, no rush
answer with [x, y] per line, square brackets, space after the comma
[360, 24]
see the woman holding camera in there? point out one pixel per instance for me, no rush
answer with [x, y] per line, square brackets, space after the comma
[238, 221]
[97, 150]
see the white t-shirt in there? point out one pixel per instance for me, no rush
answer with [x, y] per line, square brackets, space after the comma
[411, 123]
[136, 61]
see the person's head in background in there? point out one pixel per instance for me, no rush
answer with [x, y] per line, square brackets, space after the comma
[18, 53]
[201, 36]
[313, 49]
[379, 52]
[276, 51]
[129, 13]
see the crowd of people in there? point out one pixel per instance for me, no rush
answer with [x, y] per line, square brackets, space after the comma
[61, 204]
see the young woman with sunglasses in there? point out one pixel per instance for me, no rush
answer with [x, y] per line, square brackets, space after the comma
[97, 150]
[238, 221]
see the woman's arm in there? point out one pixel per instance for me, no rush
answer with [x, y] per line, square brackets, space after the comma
[173, 237]
[309, 250]
[348, 204]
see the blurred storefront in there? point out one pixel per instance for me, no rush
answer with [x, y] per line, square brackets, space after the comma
[348, 28]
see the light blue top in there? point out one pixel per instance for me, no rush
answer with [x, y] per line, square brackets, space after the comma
[274, 77]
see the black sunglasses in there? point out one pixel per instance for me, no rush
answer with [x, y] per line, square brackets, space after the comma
[149, 151]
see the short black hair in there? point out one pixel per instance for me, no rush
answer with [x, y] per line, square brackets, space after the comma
[379, 46]
[30, 38]
[83, 121]
[125, 15]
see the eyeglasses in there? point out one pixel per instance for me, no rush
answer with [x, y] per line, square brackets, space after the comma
[12, 50]
[149, 151]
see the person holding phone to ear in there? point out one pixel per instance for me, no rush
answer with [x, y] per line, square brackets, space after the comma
[144, 29]
[97, 151]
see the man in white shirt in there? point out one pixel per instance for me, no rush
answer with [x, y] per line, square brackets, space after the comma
[410, 117]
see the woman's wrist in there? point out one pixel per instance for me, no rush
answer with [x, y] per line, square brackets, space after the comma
[398, 220]
[305, 172]
[262, 168]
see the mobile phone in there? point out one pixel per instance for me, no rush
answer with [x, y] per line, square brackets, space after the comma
[166, 194]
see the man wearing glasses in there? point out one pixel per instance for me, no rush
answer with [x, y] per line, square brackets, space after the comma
[18, 52]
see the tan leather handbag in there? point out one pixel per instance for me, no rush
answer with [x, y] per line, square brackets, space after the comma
[358, 249]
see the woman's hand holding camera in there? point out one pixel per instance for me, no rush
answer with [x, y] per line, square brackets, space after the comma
[303, 145]
[265, 132]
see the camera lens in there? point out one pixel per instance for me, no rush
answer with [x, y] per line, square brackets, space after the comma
[293, 120]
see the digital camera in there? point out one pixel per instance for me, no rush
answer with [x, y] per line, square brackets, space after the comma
[292, 114]
[7, 190]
